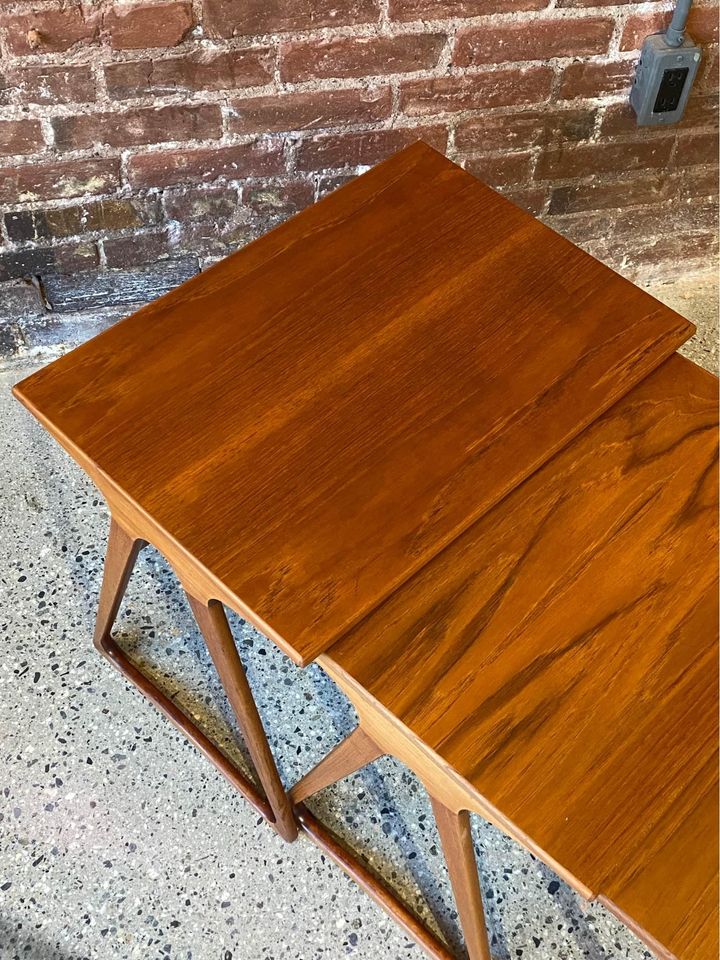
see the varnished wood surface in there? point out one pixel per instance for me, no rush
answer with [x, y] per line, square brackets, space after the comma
[561, 656]
[306, 424]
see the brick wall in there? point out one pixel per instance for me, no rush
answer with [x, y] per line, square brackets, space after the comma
[142, 140]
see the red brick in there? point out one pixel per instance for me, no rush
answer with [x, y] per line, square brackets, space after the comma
[643, 221]
[243, 18]
[136, 26]
[708, 79]
[99, 215]
[532, 199]
[583, 78]
[452, 9]
[517, 131]
[65, 258]
[500, 170]
[566, 161]
[608, 195]
[124, 252]
[264, 158]
[674, 255]
[149, 125]
[538, 40]
[50, 31]
[272, 203]
[620, 118]
[696, 148]
[303, 111]
[616, 194]
[47, 181]
[47, 84]
[359, 56]
[20, 137]
[363, 148]
[702, 26]
[329, 183]
[230, 70]
[493, 88]
[213, 241]
[189, 204]
[597, 3]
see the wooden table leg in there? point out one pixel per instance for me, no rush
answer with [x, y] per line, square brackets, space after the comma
[221, 645]
[456, 840]
[355, 752]
[122, 553]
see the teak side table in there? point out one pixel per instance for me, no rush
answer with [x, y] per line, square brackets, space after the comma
[555, 671]
[309, 425]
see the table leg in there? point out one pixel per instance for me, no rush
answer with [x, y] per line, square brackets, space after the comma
[456, 840]
[216, 630]
[122, 553]
[355, 752]
[359, 749]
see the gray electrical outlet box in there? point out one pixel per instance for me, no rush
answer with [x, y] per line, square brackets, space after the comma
[663, 78]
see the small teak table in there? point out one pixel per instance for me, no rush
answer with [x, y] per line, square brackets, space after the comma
[414, 433]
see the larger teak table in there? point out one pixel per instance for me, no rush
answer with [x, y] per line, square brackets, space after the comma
[307, 426]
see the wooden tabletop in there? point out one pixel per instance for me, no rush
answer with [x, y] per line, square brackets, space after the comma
[561, 655]
[313, 419]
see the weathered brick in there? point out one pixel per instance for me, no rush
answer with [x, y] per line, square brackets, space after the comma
[189, 204]
[702, 26]
[620, 117]
[243, 18]
[363, 148]
[50, 30]
[167, 167]
[597, 3]
[492, 88]
[303, 111]
[359, 56]
[528, 128]
[213, 241]
[47, 84]
[229, 70]
[545, 38]
[136, 26]
[647, 221]
[20, 137]
[674, 255]
[150, 125]
[19, 300]
[568, 161]
[588, 78]
[502, 169]
[90, 217]
[329, 183]
[692, 148]
[271, 203]
[452, 9]
[89, 289]
[37, 261]
[124, 252]
[48, 181]
[708, 80]
[645, 189]
[532, 199]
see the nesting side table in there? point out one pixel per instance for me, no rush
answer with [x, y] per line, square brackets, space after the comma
[306, 426]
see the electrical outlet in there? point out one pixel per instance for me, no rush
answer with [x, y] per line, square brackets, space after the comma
[663, 78]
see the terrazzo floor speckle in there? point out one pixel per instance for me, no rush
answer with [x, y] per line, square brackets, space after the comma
[119, 840]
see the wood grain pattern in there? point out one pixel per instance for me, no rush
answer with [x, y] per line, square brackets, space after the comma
[306, 424]
[561, 657]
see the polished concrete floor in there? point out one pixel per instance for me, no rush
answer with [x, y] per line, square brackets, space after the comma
[118, 840]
